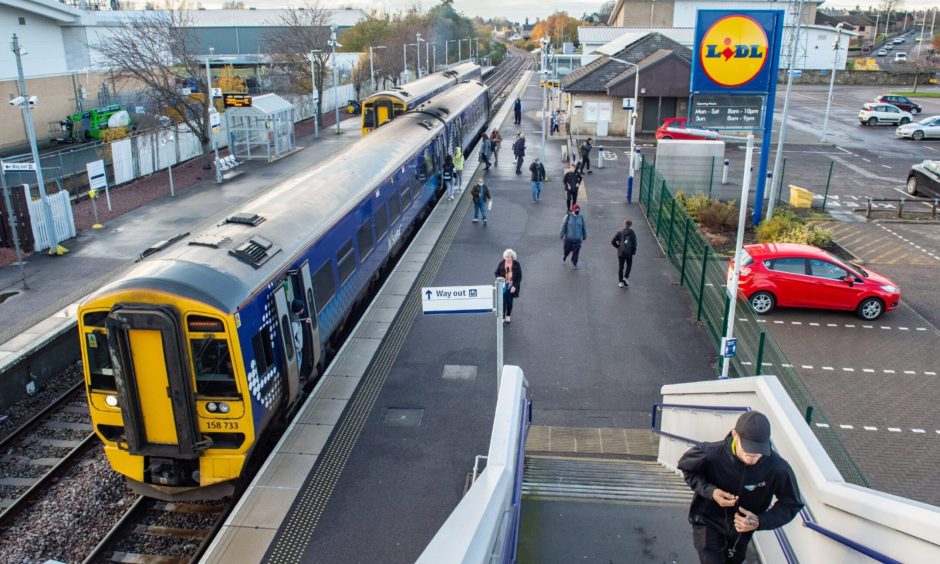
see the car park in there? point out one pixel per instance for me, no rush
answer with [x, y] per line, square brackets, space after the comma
[924, 179]
[900, 57]
[927, 128]
[902, 102]
[678, 128]
[876, 114]
[882, 52]
[794, 275]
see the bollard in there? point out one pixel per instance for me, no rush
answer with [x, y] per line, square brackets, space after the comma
[600, 156]
[724, 171]
[901, 208]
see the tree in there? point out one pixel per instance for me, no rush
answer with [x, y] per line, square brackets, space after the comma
[922, 65]
[300, 33]
[230, 82]
[157, 50]
[233, 5]
[559, 27]
[605, 11]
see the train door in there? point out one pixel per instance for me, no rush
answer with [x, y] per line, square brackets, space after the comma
[287, 341]
[302, 284]
[383, 112]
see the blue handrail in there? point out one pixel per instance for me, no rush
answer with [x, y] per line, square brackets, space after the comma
[808, 521]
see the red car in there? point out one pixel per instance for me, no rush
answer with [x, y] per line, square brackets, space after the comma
[678, 128]
[792, 275]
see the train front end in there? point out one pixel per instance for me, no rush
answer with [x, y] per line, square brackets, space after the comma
[166, 392]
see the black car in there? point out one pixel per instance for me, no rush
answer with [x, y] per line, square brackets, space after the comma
[902, 102]
[924, 179]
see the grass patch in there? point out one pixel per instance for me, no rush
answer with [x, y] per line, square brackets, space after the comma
[925, 94]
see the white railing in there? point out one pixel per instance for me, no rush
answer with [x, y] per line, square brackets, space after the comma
[60, 207]
[888, 527]
[483, 526]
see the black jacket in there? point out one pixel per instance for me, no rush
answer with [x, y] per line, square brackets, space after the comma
[518, 147]
[572, 180]
[707, 466]
[625, 241]
[538, 171]
[516, 275]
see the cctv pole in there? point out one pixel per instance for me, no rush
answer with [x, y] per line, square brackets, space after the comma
[778, 158]
[371, 69]
[544, 93]
[316, 95]
[31, 134]
[832, 80]
[211, 106]
[404, 50]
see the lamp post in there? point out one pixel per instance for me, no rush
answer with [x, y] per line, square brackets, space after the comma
[433, 57]
[542, 74]
[631, 125]
[404, 50]
[26, 103]
[418, 41]
[459, 41]
[372, 66]
[446, 50]
[333, 45]
[209, 101]
[315, 94]
[477, 39]
[832, 80]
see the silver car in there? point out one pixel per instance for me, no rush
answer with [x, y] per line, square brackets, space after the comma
[927, 128]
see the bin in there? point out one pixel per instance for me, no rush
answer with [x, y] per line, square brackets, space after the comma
[800, 197]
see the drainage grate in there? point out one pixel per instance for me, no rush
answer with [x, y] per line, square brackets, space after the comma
[401, 417]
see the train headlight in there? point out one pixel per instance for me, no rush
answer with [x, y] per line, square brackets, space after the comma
[112, 401]
[211, 407]
[223, 408]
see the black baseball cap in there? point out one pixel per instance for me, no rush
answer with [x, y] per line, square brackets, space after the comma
[753, 430]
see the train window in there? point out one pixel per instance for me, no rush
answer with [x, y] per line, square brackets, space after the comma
[368, 117]
[364, 238]
[264, 354]
[416, 189]
[399, 110]
[99, 360]
[95, 318]
[394, 206]
[381, 222]
[287, 333]
[406, 193]
[213, 364]
[346, 258]
[323, 285]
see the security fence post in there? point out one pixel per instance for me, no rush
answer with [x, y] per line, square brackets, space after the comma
[711, 179]
[760, 353]
[783, 176]
[672, 227]
[659, 212]
[685, 250]
[828, 182]
[724, 323]
[701, 285]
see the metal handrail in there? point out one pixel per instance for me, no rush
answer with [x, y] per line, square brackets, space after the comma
[805, 515]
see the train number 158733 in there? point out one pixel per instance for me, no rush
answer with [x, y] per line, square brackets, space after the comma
[223, 425]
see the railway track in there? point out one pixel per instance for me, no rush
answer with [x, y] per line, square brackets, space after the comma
[505, 74]
[157, 531]
[33, 456]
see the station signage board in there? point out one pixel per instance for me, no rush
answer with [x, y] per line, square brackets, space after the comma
[458, 299]
[19, 167]
[237, 100]
[724, 111]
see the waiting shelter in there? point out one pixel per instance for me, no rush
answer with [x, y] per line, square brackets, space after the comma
[263, 130]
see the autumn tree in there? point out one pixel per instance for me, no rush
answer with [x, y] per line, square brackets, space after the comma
[158, 50]
[228, 81]
[558, 27]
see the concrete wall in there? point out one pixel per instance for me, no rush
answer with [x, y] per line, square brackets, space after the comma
[40, 40]
[617, 126]
[637, 13]
[685, 9]
[902, 529]
[861, 78]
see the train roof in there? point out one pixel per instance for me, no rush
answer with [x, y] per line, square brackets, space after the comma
[290, 215]
[417, 88]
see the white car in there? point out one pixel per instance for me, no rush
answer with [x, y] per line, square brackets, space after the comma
[874, 114]
[898, 40]
[900, 57]
[927, 128]
[882, 52]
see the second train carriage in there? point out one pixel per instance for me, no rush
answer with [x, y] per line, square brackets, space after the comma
[382, 107]
[189, 357]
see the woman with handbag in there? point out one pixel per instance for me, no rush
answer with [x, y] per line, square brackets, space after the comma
[509, 270]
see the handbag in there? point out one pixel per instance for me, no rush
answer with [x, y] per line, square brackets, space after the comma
[489, 204]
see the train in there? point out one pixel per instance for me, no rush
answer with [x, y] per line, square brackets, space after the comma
[382, 107]
[190, 359]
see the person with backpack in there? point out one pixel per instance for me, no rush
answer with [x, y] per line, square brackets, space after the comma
[518, 149]
[447, 174]
[481, 197]
[573, 232]
[625, 243]
[572, 181]
[585, 150]
[538, 177]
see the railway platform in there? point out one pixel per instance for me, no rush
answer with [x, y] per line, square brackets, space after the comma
[383, 449]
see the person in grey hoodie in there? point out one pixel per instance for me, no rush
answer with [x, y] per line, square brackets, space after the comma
[573, 232]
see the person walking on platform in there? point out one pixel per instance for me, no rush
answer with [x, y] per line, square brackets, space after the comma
[447, 174]
[518, 149]
[625, 243]
[572, 182]
[486, 150]
[573, 232]
[538, 177]
[517, 111]
[509, 270]
[556, 120]
[458, 167]
[497, 140]
[551, 123]
[481, 197]
[585, 151]
[734, 481]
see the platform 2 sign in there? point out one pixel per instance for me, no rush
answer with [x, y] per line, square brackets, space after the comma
[458, 299]
[722, 111]
[237, 100]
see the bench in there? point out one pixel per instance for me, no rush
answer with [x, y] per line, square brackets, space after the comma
[227, 165]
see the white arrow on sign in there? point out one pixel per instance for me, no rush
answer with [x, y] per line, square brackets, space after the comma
[457, 299]
[18, 167]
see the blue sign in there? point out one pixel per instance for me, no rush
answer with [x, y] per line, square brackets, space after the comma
[736, 50]
[729, 347]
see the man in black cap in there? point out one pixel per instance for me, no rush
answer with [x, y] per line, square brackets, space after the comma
[734, 482]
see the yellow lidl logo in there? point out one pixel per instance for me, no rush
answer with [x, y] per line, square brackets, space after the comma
[733, 50]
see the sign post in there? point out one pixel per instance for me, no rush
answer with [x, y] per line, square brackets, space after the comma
[97, 179]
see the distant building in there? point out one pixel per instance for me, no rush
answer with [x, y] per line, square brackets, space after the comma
[861, 25]
[681, 13]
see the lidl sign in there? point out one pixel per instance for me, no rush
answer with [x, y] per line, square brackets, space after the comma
[736, 50]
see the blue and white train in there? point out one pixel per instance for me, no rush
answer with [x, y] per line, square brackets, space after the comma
[189, 358]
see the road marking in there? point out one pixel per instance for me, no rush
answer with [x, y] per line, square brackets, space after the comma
[846, 427]
[846, 369]
[920, 431]
[894, 429]
[812, 324]
[867, 428]
[778, 322]
[902, 328]
[931, 373]
[828, 368]
[807, 366]
[910, 372]
[884, 165]
[867, 326]
[921, 328]
[885, 327]
[868, 370]
[866, 160]
[822, 425]
[887, 371]
[832, 324]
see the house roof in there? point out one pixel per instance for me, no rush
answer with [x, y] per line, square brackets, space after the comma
[225, 18]
[645, 63]
[598, 75]
[853, 20]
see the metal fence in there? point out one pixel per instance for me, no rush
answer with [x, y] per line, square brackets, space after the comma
[702, 271]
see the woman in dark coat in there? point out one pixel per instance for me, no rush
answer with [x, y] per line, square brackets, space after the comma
[510, 270]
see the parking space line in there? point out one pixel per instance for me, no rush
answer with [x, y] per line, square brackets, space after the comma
[894, 429]
[919, 431]
[822, 425]
[846, 427]
[869, 428]
[847, 369]
[807, 366]
[888, 371]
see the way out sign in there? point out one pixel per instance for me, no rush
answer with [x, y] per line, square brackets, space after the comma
[457, 299]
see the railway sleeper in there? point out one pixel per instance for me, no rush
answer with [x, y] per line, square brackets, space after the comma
[135, 558]
[158, 531]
